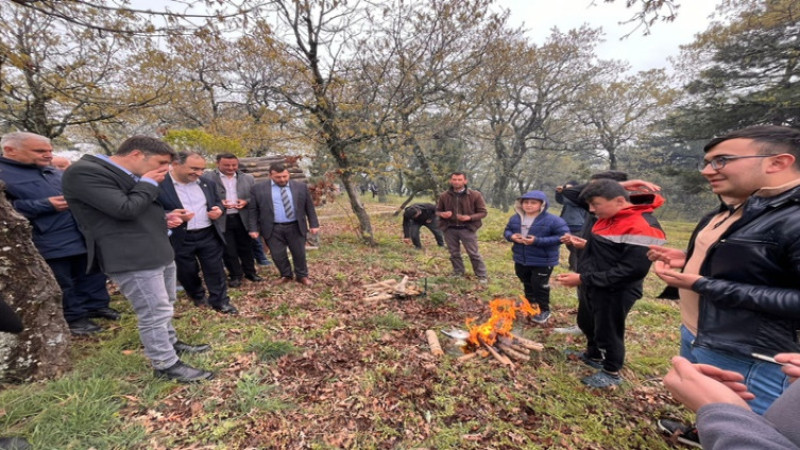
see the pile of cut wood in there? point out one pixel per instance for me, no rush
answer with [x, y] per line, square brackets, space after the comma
[391, 288]
[506, 350]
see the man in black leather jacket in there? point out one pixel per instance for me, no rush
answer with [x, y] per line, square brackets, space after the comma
[740, 283]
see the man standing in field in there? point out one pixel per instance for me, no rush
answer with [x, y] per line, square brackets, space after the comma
[461, 210]
[740, 278]
[113, 199]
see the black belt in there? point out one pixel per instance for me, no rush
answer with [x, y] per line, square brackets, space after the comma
[457, 227]
[286, 223]
[200, 230]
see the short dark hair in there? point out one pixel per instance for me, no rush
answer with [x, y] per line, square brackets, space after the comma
[458, 173]
[605, 188]
[772, 139]
[226, 156]
[181, 157]
[147, 145]
[616, 175]
[277, 167]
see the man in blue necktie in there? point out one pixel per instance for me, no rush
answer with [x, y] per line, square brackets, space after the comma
[283, 212]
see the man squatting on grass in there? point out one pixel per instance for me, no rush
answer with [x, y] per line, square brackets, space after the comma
[536, 236]
[611, 267]
[740, 279]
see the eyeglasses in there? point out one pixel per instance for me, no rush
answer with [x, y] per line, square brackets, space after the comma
[718, 162]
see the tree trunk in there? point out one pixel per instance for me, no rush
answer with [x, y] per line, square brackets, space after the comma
[499, 191]
[358, 209]
[42, 349]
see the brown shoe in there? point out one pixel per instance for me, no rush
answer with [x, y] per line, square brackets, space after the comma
[305, 281]
[282, 280]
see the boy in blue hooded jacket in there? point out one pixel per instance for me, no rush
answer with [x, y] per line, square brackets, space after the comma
[536, 236]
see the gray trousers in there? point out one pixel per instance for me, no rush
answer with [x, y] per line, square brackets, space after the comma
[454, 238]
[152, 293]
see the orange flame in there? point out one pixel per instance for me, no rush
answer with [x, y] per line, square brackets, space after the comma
[501, 322]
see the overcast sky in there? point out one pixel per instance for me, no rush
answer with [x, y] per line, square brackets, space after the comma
[642, 52]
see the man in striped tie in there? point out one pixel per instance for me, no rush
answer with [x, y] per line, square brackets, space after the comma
[283, 212]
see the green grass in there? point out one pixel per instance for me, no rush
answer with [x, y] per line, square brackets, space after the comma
[323, 368]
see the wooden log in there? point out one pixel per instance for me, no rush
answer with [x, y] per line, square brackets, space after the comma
[433, 343]
[510, 342]
[467, 357]
[379, 297]
[503, 359]
[401, 286]
[513, 353]
[527, 343]
[386, 284]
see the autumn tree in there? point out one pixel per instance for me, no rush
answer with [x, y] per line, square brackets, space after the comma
[53, 77]
[430, 86]
[531, 85]
[748, 70]
[616, 110]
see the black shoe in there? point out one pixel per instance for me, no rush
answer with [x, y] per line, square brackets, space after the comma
[105, 313]
[201, 301]
[182, 348]
[14, 443]
[226, 309]
[254, 278]
[183, 373]
[264, 262]
[685, 434]
[83, 327]
[235, 282]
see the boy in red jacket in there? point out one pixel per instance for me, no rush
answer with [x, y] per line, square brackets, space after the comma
[611, 268]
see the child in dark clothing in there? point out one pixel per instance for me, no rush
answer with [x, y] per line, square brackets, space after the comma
[536, 236]
[611, 269]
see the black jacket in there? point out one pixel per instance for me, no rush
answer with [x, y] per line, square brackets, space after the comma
[750, 293]
[427, 215]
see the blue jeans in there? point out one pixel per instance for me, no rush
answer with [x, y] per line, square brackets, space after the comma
[152, 293]
[764, 379]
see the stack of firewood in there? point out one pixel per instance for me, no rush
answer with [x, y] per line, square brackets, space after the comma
[391, 288]
[506, 350]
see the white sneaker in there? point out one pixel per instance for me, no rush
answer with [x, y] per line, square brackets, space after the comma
[568, 330]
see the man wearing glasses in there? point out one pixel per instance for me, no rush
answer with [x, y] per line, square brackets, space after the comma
[740, 278]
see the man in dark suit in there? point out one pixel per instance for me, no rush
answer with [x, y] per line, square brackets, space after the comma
[233, 187]
[202, 236]
[114, 202]
[283, 213]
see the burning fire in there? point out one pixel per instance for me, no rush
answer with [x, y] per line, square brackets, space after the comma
[504, 311]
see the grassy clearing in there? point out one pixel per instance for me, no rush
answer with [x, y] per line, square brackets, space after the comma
[320, 368]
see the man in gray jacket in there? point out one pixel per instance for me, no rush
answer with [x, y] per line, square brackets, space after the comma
[114, 202]
[233, 187]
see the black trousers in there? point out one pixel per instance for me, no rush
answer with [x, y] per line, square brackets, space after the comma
[535, 284]
[287, 236]
[202, 249]
[414, 228]
[601, 317]
[81, 292]
[238, 254]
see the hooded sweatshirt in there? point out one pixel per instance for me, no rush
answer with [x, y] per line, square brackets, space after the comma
[546, 229]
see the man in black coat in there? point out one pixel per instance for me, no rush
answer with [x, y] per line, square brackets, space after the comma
[283, 212]
[201, 237]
